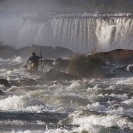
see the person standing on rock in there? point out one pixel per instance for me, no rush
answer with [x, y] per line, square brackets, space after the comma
[34, 59]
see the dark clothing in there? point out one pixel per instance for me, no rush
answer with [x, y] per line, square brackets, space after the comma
[34, 59]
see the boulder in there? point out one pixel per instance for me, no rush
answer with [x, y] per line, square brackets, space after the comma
[24, 52]
[1, 93]
[117, 56]
[47, 51]
[57, 75]
[63, 52]
[6, 51]
[50, 52]
[24, 82]
[47, 62]
[60, 63]
[4, 82]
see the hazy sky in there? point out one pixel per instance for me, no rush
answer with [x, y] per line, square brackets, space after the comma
[23, 5]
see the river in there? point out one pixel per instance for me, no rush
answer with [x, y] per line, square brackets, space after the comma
[79, 106]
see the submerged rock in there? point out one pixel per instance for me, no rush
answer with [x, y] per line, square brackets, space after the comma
[4, 82]
[57, 75]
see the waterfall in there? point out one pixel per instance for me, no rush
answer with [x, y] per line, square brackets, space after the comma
[85, 34]
[80, 34]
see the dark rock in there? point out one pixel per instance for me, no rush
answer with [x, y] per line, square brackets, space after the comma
[60, 63]
[130, 95]
[128, 61]
[63, 52]
[5, 83]
[1, 93]
[7, 51]
[117, 56]
[47, 51]
[111, 75]
[114, 105]
[24, 82]
[24, 52]
[57, 75]
[47, 62]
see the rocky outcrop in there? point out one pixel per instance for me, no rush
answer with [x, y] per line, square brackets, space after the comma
[63, 52]
[4, 82]
[6, 51]
[61, 64]
[1, 93]
[57, 75]
[117, 56]
[48, 52]
[24, 82]
[24, 52]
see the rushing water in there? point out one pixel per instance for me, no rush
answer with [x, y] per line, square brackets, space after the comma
[82, 106]
[79, 32]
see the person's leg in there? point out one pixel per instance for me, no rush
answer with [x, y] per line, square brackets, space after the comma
[37, 69]
[32, 67]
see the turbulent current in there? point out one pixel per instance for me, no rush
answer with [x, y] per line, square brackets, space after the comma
[80, 106]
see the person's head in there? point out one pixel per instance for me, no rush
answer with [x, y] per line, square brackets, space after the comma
[33, 53]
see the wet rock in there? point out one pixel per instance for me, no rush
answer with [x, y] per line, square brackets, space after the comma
[1, 93]
[114, 105]
[24, 82]
[4, 82]
[110, 75]
[47, 51]
[47, 62]
[61, 65]
[50, 52]
[24, 52]
[130, 95]
[6, 51]
[116, 54]
[130, 68]
[63, 52]
[57, 75]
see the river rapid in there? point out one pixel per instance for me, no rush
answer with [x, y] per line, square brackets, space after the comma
[80, 106]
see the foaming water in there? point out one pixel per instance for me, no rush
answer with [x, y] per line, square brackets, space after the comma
[88, 105]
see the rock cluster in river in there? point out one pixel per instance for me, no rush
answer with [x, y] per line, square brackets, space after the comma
[59, 66]
[117, 56]
[48, 52]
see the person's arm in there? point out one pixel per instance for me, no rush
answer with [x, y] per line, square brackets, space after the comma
[27, 61]
[40, 55]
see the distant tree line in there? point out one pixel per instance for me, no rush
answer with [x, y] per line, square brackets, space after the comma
[67, 5]
[94, 5]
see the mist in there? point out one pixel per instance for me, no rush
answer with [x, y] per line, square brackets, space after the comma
[66, 23]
